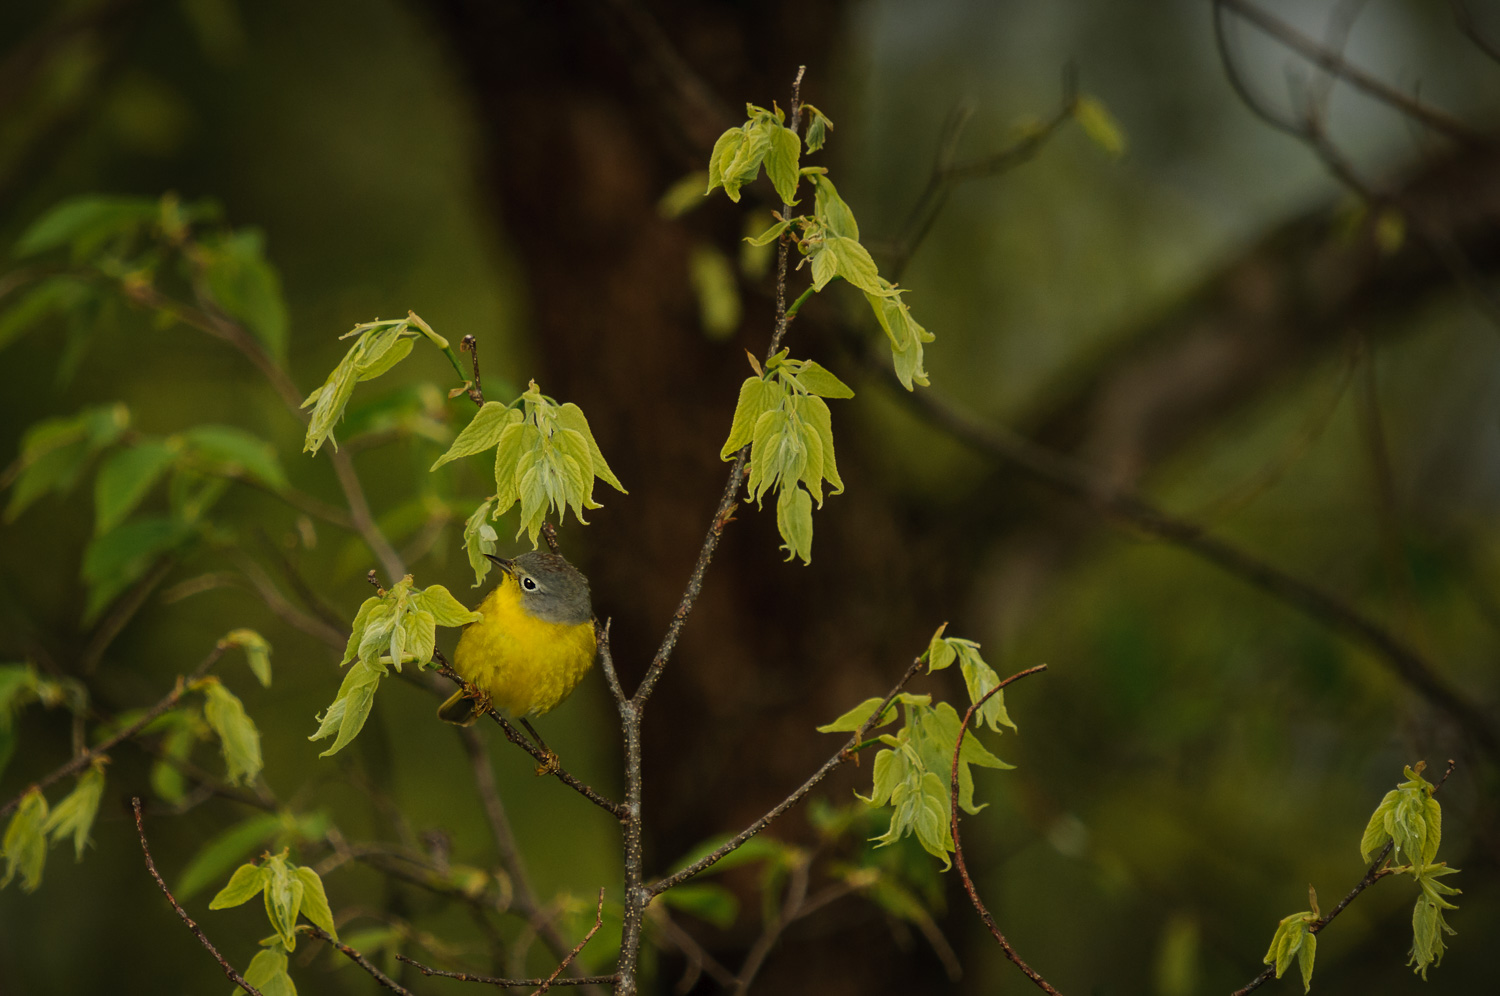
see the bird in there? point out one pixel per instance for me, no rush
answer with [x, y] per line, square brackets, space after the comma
[533, 646]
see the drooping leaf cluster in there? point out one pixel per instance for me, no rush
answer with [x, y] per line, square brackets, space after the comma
[378, 346]
[26, 838]
[782, 417]
[828, 238]
[1409, 819]
[546, 460]
[288, 891]
[396, 626]
[914, 774]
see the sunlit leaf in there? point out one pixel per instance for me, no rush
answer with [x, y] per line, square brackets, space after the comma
[245, 884]
[238, 738]
[74, 815]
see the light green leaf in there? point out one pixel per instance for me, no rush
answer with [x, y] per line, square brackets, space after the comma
[892, 768]
[1375, 834]
[25, 845]
[126, 478]
[283, 895]
[238, 738]
[1305, 956]
[757, 396]
[852, 720]
[232, 452]
[257, 653]
[1102, 129]
[75, 814]
[940, 653]
[446, 610]
[718, 292]
[854, 265]
[825, 265]
[357, 632]
[818, 380]
[783, 161]
[817, 128]
[267, 973]
[479, 539]
[570, 416]
[223, 850]
[979, 678]
[794, 521]
[769, 235]
[245, 884]
[419, 635]
[748, 157]
[482, 433]
[725, 150]
[815, 411]
[516, 442]
[86, 222]
[315, 901]
[351, 707]
[830, 209]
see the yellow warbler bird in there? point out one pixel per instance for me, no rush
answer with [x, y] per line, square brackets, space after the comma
[534, 644]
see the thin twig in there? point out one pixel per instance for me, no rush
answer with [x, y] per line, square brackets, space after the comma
[845, 753]
[469, 344]
[357, 958]
[698, 958]
[491, 980]
[568, 958]
[946, 173]
[235, 977]
[518, 738]
[1077, 480]
[1334, 63]
[958, 848]
[1373, 874]
[87, 757]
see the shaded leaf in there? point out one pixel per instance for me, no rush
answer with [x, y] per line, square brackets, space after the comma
[248, 287]
[708, 901]
[24, 845]
[74, 816]
[114, 561]
[54, 295]
[257, 653]
[238, 738]
[1102, 129]
[126, 478]
[232, 452]
[713, 281]
[85, 223]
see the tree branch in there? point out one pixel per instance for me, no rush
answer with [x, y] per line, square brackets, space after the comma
[958, 848]
[490, 980]
[235, 977]
[85, 758]
[355, 957]
[845, 753]
[1373, 874]
[1075, 479]
[1336, 64]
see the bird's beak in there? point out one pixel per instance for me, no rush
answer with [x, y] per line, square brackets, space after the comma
[502, 563]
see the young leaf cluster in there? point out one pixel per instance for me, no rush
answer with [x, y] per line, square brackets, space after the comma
[546, 460]
[828, 238]
[763, 140]
[20, 686]
[24, 845]
[1411, 819]
[393, 627]
[782, 416]
[288, 891]
[913, 774]
[379, 346]
[195, 464]
[1294, 939]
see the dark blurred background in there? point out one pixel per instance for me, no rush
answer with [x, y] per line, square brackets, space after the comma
[1215, 318]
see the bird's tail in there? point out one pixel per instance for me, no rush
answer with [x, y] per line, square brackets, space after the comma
[460, 710]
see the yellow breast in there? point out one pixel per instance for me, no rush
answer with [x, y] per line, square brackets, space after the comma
[527, 665]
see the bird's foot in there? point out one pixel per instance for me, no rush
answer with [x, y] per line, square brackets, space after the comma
[550, 764]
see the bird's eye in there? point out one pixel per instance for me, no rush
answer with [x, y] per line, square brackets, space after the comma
[528, 584]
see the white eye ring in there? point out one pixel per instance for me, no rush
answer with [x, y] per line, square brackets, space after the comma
[528, 584]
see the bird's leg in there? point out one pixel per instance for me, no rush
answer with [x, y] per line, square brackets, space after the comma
[550, 762]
